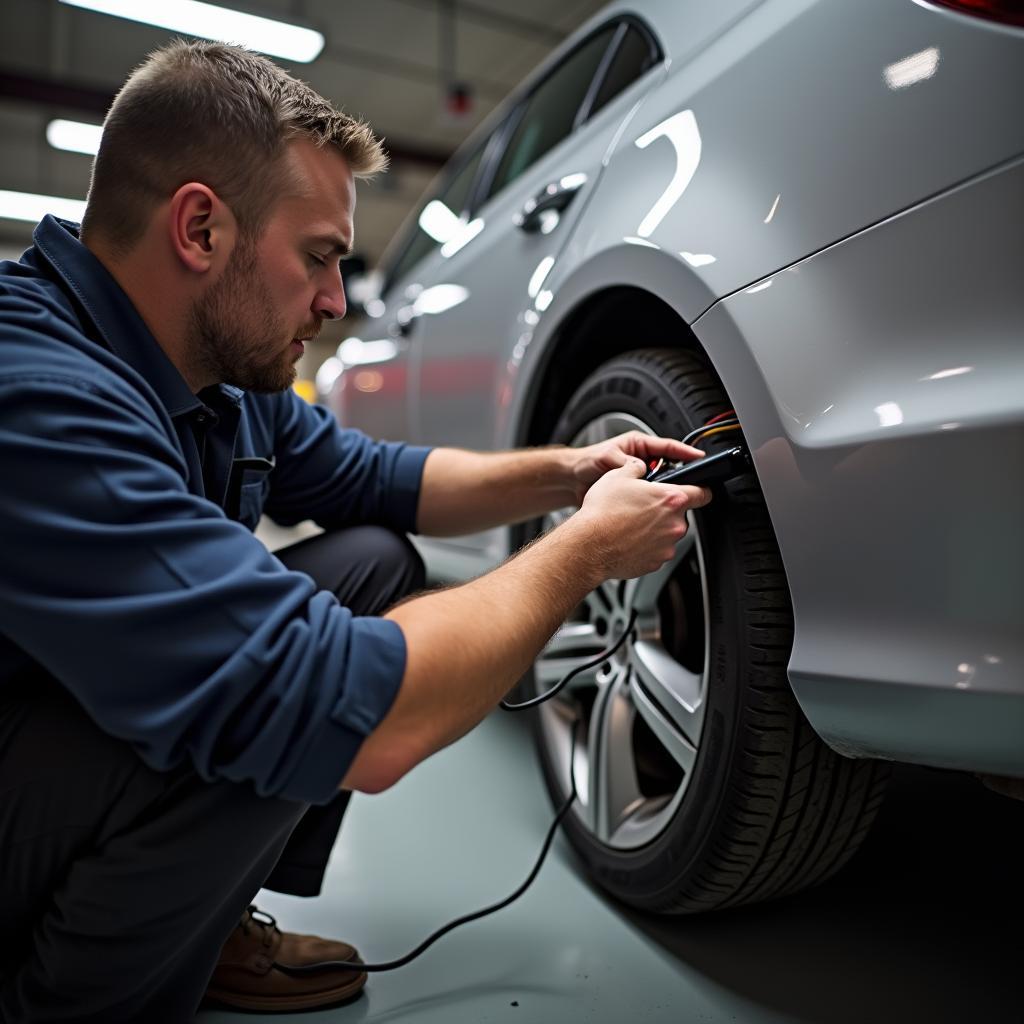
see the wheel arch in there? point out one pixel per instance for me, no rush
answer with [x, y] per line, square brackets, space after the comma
[624, 299]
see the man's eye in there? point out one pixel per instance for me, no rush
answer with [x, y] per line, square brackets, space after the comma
[319, 260]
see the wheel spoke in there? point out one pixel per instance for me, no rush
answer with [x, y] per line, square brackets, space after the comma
[551, 670]
[666, 731]
[671, 687]
[578, 637]
[613, 789]
[573, 645]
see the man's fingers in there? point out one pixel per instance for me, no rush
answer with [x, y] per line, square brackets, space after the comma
[665, 448]
[648, 447]
[696, 497]
[692, 495]
[678, 451]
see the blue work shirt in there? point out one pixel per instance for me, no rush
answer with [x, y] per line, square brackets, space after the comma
[122, 577]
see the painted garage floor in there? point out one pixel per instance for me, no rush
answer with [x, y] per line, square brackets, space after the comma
[925, 925]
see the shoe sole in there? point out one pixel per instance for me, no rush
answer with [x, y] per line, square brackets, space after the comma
[282, 1004]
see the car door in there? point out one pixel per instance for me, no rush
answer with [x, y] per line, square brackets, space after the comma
[475, 295]
[370, 388]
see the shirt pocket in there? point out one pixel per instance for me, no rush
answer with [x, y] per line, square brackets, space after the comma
[251, 501]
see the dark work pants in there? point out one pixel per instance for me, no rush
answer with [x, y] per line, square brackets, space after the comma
[119, 884]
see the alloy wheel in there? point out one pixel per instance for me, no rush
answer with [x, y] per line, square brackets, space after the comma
[637, 717]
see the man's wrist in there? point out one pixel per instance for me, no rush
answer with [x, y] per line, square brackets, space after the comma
[582, 537]
[565, 462]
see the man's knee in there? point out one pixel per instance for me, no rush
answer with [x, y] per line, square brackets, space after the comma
[399, 561]
[368, 568]
[394, 568]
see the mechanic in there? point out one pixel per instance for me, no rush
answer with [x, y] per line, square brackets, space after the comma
[183, 714]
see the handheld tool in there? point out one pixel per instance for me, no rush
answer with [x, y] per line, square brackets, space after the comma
[705, 472]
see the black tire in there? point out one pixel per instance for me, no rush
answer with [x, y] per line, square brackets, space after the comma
[767, 808]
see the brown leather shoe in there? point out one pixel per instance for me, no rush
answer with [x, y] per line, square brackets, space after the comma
[247, 976]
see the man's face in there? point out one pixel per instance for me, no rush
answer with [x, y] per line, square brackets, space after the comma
[249, 327]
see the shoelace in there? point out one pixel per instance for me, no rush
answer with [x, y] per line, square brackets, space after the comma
[265, 922]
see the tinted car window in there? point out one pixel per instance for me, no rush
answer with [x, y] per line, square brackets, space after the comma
[631, 60]
[454, 196]
[551, 110]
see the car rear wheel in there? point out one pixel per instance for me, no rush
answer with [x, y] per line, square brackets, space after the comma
[701, 784]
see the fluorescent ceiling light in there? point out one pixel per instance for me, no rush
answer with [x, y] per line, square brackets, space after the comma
[32, 207]
[74, 136]
[212, 22]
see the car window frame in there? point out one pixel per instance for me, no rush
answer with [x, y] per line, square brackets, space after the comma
[622, 24]
[495, 144]
[516, 114]
[655, 55]
[444, 182]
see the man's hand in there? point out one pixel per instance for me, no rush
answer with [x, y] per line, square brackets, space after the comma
[636, 524]
[592, 462]
[626, 527]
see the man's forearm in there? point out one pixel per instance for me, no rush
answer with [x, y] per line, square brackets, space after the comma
[464, 491]
[467, 646]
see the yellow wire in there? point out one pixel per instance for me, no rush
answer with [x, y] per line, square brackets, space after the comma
[714, 430]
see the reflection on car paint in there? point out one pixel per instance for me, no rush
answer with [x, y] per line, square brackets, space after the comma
[539, 276]
[915, 68]
[462, 237]
[682, 131]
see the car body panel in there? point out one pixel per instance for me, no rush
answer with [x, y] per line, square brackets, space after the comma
[784, 135]
[830, 195]
[881, 388]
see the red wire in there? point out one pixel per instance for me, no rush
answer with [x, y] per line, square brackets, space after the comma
[720, 416]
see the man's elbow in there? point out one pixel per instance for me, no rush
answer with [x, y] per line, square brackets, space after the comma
[375, 770]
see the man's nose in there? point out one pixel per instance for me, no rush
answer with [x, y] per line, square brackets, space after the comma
[330, 302]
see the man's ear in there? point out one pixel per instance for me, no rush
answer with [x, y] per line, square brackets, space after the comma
[203, 228]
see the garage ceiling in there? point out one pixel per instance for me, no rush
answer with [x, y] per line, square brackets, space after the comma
[386, 60]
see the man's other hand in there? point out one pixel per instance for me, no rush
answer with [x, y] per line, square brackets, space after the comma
[636, 524]
[592, 462]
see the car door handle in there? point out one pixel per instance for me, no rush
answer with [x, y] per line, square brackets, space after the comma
[555, 196]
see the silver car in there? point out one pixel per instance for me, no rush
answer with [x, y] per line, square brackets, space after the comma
[801, 221]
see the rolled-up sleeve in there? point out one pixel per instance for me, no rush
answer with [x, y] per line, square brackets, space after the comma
[172, 625]
[336, 476]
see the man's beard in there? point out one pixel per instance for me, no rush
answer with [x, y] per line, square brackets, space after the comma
[227, 326]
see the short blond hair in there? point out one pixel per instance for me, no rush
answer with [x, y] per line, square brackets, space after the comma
[219, 114]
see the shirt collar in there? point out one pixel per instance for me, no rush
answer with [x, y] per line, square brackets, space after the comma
[114, 316]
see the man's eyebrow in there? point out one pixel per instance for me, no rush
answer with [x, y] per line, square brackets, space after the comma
[335, 246]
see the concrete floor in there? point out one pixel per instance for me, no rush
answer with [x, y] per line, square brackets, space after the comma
[924, 925]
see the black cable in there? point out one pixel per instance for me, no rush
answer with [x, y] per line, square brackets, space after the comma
[603, 656]
[391, 965]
